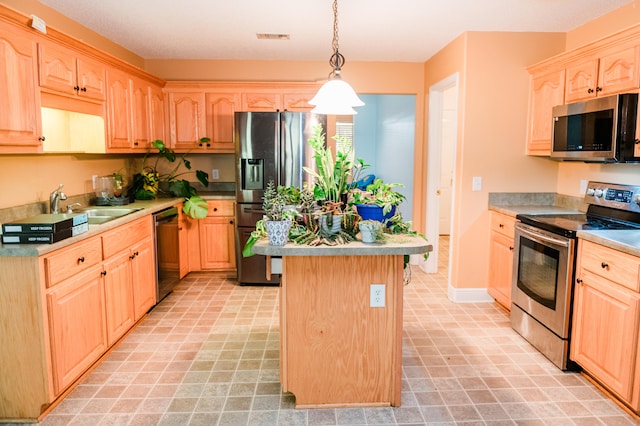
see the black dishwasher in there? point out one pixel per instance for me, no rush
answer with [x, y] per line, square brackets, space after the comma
[167, 251]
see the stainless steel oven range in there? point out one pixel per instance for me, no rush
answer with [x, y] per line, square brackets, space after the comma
[544, 264]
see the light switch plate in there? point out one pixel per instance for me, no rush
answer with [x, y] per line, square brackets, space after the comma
[477, 183]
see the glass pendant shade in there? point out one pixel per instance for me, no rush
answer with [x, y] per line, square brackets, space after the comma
[335, 97]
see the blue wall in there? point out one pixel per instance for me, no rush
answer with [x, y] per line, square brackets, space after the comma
[384, 134]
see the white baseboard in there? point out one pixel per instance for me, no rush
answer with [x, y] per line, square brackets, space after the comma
[468, 295]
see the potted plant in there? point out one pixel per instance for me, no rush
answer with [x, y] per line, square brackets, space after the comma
[150, 182]
[378, 201]
[277, 218]
[370, 230]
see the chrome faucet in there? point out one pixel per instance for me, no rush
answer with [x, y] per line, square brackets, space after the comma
[54, 199]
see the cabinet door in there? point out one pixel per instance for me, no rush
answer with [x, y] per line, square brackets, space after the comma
[157, 112]
[20, 125]
[216, 243]
[581, 81]
[120, 133]
[220, 110]
[92, 79]
[605, 331]
[547, 91]
[141, 105]
[500, 268]
[118, 292]
[77, 328]
[143, 277]
[186, 119]
[183, 242]
[261, 102]
[57, 66]
[298, 101]
[618, 71]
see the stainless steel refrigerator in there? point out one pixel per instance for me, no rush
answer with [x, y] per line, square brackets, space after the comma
[269, 146]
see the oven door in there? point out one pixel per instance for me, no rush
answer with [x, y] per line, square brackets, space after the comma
[543, 277]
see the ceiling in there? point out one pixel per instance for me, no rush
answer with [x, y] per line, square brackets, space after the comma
[369, 30]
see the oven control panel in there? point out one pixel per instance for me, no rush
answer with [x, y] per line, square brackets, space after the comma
[625, 197]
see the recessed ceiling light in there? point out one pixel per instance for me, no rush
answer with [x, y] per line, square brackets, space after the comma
[273, 36]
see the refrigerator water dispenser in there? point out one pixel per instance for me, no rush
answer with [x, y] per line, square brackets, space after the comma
[252, 173]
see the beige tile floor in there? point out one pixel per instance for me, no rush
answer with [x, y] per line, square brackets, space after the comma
[208, 355]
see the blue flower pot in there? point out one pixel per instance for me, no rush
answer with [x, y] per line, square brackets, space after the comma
[373, 212]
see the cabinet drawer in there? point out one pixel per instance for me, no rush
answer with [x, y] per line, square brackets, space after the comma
[125, 236]
[69, 261]
[221, 208]
[613, 265]
[503, 224]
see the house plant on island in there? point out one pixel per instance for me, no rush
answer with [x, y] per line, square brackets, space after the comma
[378, 201]
[150, 182]
[277, 214]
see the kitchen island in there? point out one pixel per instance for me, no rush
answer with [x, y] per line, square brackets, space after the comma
[336, 349]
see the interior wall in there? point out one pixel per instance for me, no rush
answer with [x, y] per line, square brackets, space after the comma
[617, 20]
[493, 103]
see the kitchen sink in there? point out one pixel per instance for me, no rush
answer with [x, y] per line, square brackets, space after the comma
[99, 215]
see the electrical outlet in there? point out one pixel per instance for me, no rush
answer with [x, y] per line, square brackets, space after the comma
[377, 296]
[215, 174]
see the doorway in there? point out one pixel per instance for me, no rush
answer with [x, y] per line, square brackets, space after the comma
[441, 166]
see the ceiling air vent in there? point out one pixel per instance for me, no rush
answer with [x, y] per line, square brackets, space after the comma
[273, 36]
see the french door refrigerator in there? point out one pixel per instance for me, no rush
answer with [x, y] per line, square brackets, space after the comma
[269, 146]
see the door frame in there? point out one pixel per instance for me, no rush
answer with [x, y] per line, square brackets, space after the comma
[434, 154]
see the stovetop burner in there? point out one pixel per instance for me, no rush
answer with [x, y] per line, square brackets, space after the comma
[611, 206]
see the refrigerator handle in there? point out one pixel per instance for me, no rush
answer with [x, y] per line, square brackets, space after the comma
[278, 148]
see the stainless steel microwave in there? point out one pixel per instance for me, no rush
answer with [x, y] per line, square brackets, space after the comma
[600, 130]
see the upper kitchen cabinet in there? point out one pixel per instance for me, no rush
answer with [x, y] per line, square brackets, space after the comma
[546, 91]
[298, 101]
[614, 70]
[220, 111]
[135, 112]
[20, 122]
[263, 101]
[70, 73]
[187, 120]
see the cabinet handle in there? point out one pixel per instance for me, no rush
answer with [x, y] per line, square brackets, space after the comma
[589, 90]
[598, 89]
[136, 143]
[501, 225]
[81, 259]
[133, 256]
[604, 265]
[103, 273]
[41, 138]
[84, 89]
[579, 280]
[231, 222]
[511, 248]
[215, 209]
[76, 88]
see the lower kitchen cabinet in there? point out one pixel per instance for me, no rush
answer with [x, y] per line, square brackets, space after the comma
[71, 306]
[77, 328]
[501, 258]
[211, 240]
[606, 320]
[118, 292]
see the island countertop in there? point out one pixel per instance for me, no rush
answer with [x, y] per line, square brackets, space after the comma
[396, 244]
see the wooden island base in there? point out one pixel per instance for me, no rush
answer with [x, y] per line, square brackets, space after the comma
[335, 350]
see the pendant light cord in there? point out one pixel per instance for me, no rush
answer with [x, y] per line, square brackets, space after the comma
[337, 60]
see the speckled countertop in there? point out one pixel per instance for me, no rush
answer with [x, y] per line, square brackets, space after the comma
[512, 204]
[396, 245]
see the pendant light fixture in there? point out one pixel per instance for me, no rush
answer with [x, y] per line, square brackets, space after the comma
[335, 96]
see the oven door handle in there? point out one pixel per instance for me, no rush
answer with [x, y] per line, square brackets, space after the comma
[543, 238]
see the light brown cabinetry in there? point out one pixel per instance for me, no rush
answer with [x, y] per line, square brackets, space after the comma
[606, 319]
[72, 304]
[546, 91]
[20, 122]
[614, 70]
[265, 101]
[211, 240]
[501, 258]
[77, 328]
[120, 110]
[220, 111]
[187, 119]
[70, 73]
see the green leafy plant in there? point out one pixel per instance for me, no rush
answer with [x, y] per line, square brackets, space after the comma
[150, 183]
[380, 194]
